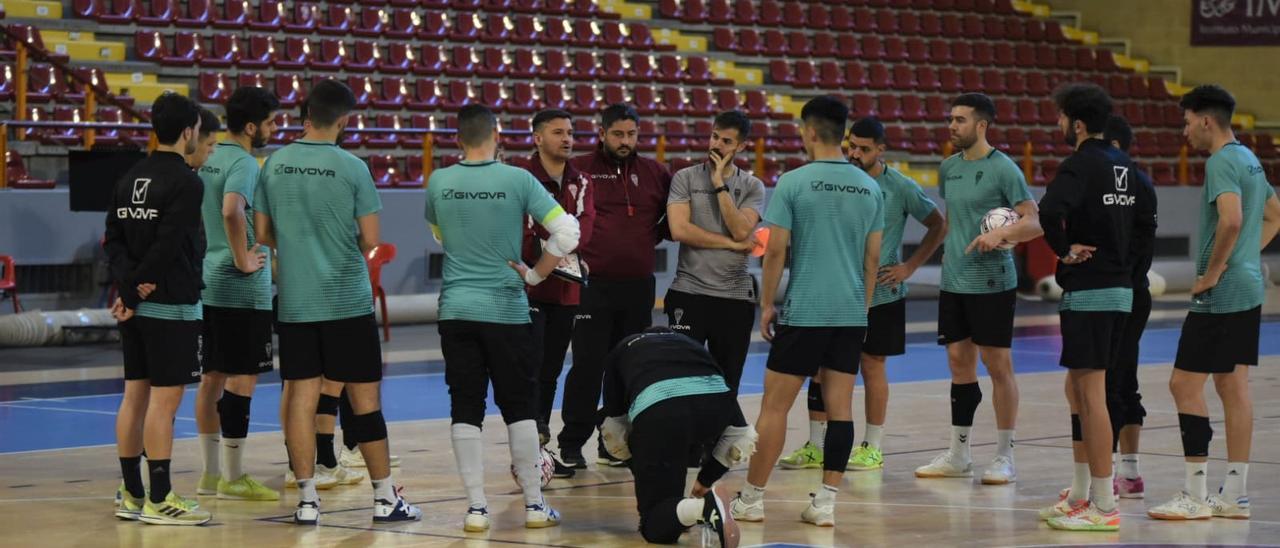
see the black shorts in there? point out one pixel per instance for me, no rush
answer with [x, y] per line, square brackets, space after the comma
[165, 352]
[987, 318]
[477, 354]
[1091, 340]
[887, 329]
[346, 350]
[237, 341]
[1217, 343]
[801, 351]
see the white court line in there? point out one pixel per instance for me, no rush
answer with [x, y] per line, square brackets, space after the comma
[110, 413]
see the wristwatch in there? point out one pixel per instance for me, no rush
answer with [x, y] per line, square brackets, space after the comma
[723, 188]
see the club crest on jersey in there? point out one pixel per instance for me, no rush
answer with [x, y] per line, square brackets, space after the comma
[635, 180]
[977, 178]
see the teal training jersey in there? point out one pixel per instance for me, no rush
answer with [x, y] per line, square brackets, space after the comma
[903, 198]
[231, 170]
[971, 188]
[830, 207]
[1110, 299]
[477, 210]
[178, 312]
[1233, 169]
[314, 192]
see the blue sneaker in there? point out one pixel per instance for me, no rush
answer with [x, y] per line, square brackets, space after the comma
[390, 511]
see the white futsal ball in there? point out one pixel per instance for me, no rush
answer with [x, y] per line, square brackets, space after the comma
[547, 465]
[1157, 284]
[1048, 289]
[998, 217]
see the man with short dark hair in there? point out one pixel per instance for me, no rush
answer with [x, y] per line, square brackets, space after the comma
[237, 299]
[1090, 215]
[830, 215]
[209, 128]
[630, 205]
[155, 247]
[477, 210]
[1239, 215]
[713, 210]
[978, 290]
[554, 303]
[317, 206]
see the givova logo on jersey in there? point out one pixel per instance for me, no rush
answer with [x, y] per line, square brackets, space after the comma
[138, 196]
[823, 186]
[1121, 174]
[451, 194]
[282, 169]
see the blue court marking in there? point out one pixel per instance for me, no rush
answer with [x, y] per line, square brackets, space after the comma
[80, 421]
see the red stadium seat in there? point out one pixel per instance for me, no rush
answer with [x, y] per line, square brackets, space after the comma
[770, 14]
[726, 99]
[880, 77]
[675, 130]
[804, 75]
[186, 50]
[847, 47]
[269, 17]
[296, 54]
[794, 16]
[718, 12]
[426, 95]
[554, 65]
[863, 106]
[921, 142]
[855, 75]
[612, 35]
[642, 69]
[495, 29]
[197, 15]
[872, 48]
[888, 107]
[798, 44]
[466, 27]
[150, 45]
[744, 12]
[669, 71]
[756, 104]
[749, 42]
[701, 103]
[645, 99]
[364, 90]
[584, 100]
[336, 21]
[864, 21]
[673, 102]
[830, 76]
[213, 87]
[523, 99]
[363, 57]
[775, 43]
[585, 34]
[904, 78]
[459, 94]
[912, 108]
[961, 53]
[554, 32]
[260, 53]
[584, 66]
[117, 12]
[824, 45]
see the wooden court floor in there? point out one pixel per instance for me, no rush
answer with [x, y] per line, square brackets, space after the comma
[63, 498]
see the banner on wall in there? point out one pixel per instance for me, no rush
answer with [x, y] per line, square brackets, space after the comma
[1235, 22]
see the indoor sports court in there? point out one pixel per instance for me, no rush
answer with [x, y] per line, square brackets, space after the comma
[952, 188]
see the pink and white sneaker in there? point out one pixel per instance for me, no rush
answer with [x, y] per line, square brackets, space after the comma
[1127, 488]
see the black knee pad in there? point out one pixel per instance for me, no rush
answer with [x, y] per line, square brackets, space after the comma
[366, 428]
[328, 405]
[964, 403]
[815, 397]
[837, 445]
[1196, 434]
[1134, 414]
[233, 414]
[1077, 432]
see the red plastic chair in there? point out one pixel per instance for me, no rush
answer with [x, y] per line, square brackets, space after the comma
[9, 281]
[380, 255]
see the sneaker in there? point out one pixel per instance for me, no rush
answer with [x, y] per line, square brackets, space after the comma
[746, 511]
[476, 521]
[1062, 508]
[605, 459]
[718, 520]
[1000, 472]
[539, 516]
[308, 513]
[323, 481]
[246, 488]
[390, 511]
[340, 474]
[943, 466]
[1182, 507]
[561, 470]
[1127, 488]
[822, 516]
[573, 459]
[208, 484]
[353, 458]
[128, 507]
[174, 510]
[1087, 517]
[866, 458]
[807, 456]
[1221, 507]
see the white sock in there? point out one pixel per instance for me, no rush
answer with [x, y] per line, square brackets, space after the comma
[874, 433]
[1197, 475]
[1104, 496]
[469, 454]
[689, 511]
[384, 489]
[307, 490]
[817, 433]
[960, 440]
[232, 457]
[752, 494]
[209, 446]
[1129, 466]
[1237, 477]
[526, 457]
[1079, 482]
[1004, 447]
[826, 496]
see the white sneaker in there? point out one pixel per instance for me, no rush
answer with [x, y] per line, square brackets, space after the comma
[477, 520]
[746, 511]
[539, 516]
[390, 511]
[1000, 472]
[308, 513]
[1060, 509]
[944, 466]
[353, 458]
[1231, 510]
[1182, 507]
[340, 474]
[323, 482]
[822, 516]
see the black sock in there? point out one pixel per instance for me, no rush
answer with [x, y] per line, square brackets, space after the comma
[324, 450]
[160, 487]
[131, 471]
